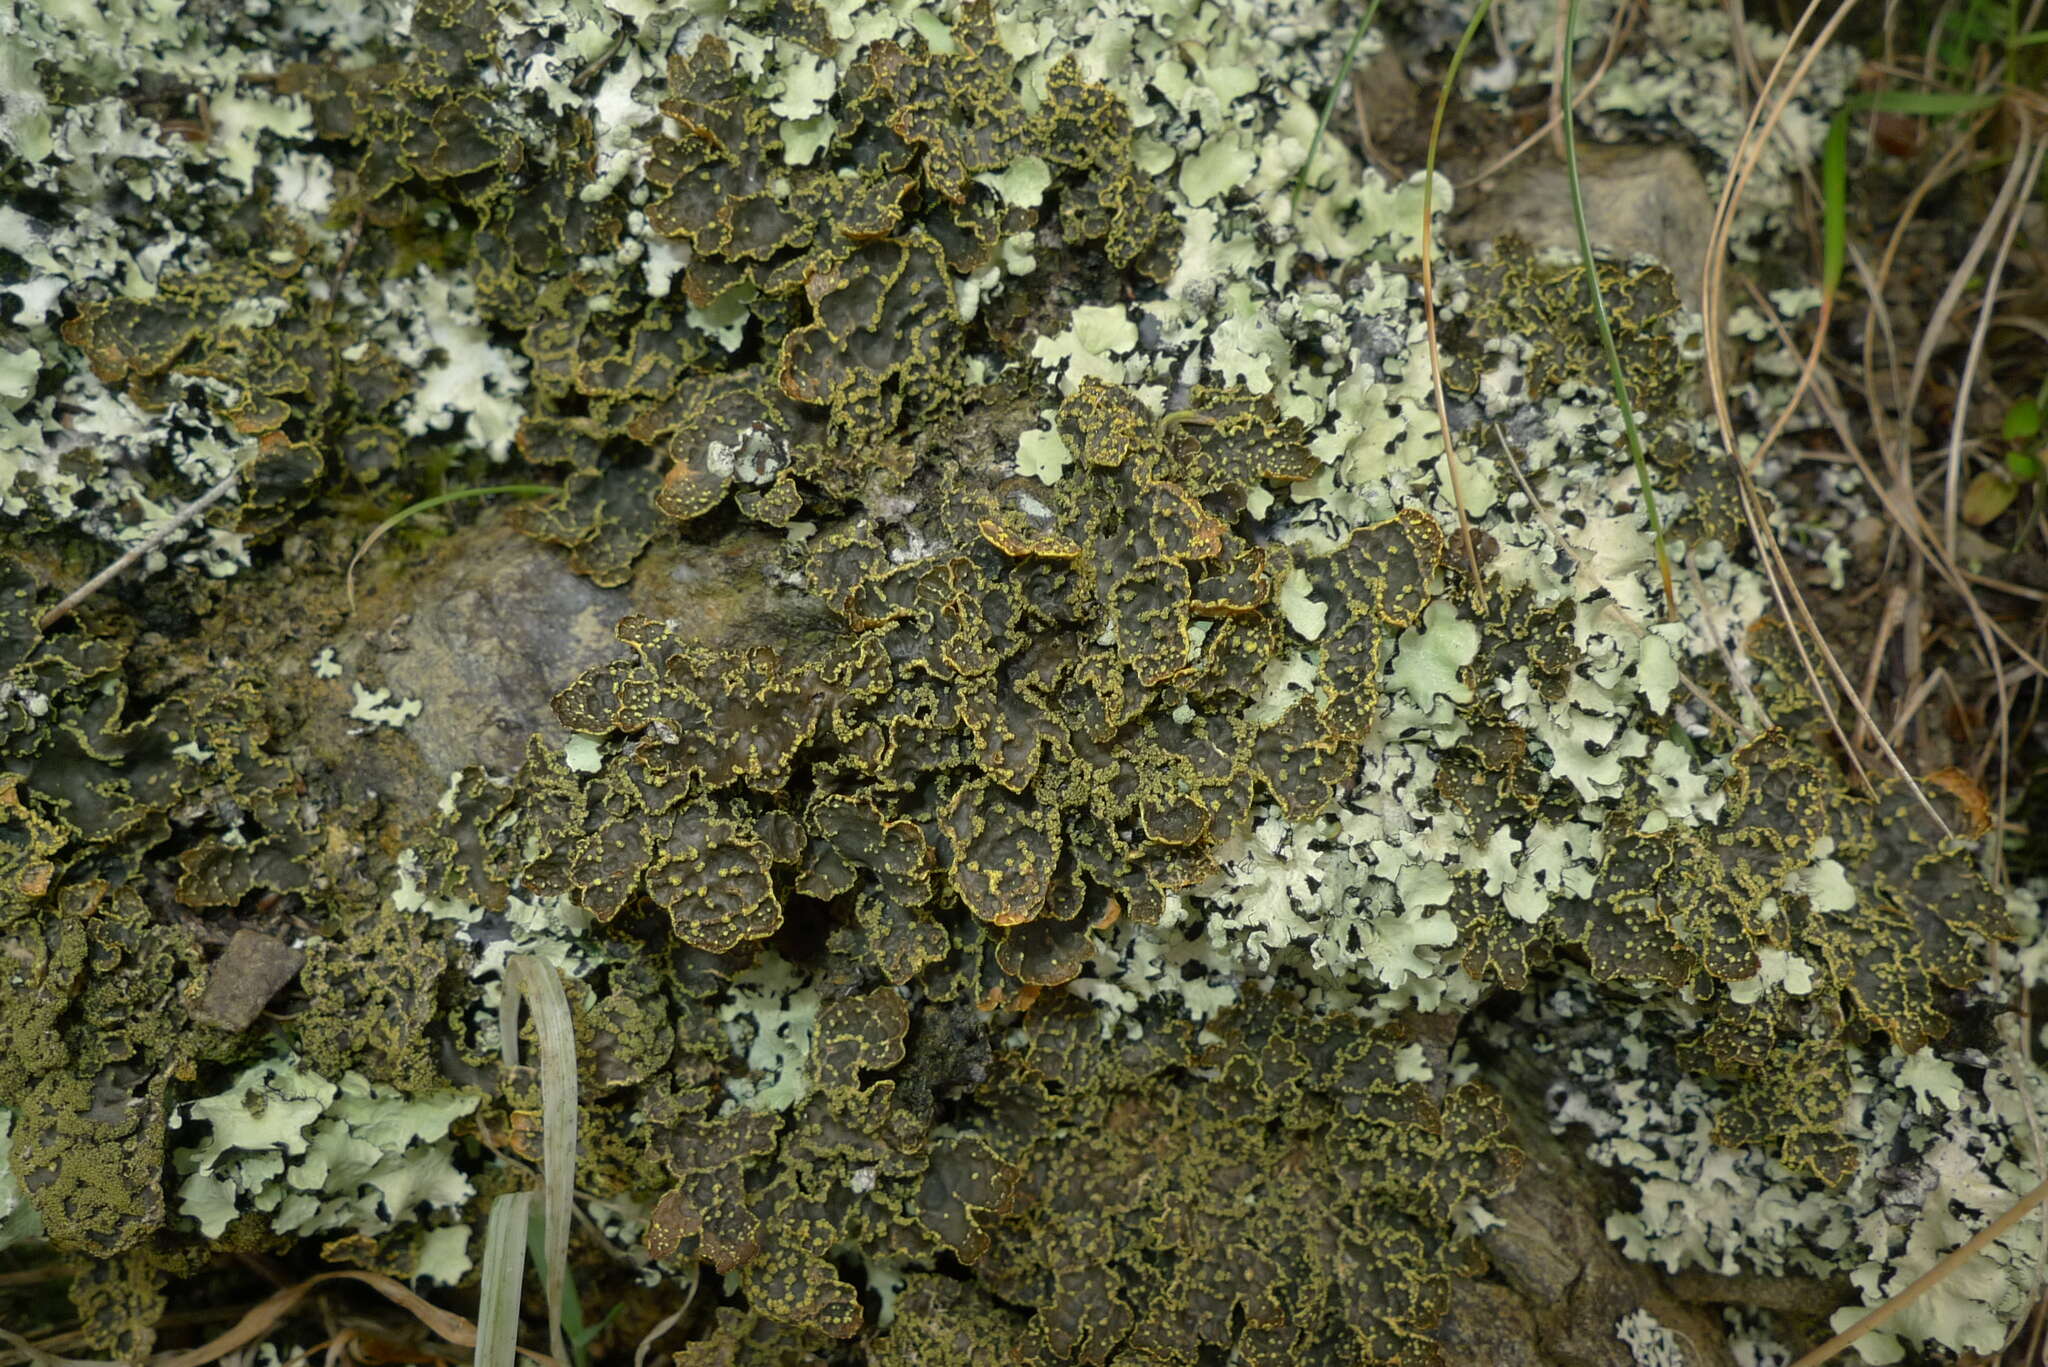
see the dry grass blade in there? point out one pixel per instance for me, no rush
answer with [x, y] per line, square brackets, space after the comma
[264, 1317]
[40, 1357]
[1903, 515]
[2028, 154]
[1436, 367]
[1774, 99]
[1927, 1280]
[669, 1322]
[529, 979]
[140, 549]
[1906, 522]
[1807, 370]
[504, 1268]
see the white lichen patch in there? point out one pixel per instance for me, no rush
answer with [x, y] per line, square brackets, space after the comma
[1685, 81]
[317, 1156]
[769, 1014]
[582, 755]
[111, 192]
[1042, 455]
[1945, 1139]
[1650, 1343]
[551, 928]
[379, 708]
[467, 384]
[19, 1221]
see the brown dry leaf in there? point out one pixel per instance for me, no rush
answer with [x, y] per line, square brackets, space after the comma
[1989, 494]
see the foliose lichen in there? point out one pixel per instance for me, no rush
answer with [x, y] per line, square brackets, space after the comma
[1141, 747]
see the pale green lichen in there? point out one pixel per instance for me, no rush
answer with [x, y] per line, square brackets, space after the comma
[1945, 1140]
[379, 708]
[1683, 81]
[315, 1156]
[581, 754]
[1042, 455]
[769, 1015]
[19, 1221]
[1227, 752]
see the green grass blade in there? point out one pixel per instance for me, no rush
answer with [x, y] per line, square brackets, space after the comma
[1330, 107]
[574, 1330]
[412, 510]
[1834, 203]
[1936, 103]
[504, 1267]
[1622, 397]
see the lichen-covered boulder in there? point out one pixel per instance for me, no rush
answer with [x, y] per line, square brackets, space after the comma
[1084, 811]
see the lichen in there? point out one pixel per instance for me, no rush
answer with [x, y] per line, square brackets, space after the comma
[1022, 895]
[318, 1156]
[18, 1219]
[1938, 1143]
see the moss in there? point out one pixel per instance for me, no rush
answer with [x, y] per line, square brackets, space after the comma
[90, 1102]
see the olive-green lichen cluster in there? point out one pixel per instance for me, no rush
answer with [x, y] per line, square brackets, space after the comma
[108, 810]
[1045, 1199]
[1045, 725]
[1027, 917]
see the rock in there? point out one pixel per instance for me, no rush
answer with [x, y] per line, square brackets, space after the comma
[1488, 1323]
[249, 972]
[1649, 200]
[1572, 1284]
[485, 638]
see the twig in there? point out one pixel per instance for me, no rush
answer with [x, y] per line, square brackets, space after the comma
[140, 549]
[583, 77]
[1925, 1282]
